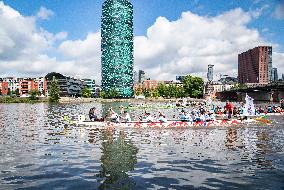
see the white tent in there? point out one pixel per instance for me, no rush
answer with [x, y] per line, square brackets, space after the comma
[24, 96]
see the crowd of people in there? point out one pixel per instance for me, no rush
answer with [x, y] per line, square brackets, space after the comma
[198, 112]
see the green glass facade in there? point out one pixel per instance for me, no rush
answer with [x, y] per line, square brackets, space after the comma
[117, 47]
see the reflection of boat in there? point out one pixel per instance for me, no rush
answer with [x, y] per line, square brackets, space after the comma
[167, 125]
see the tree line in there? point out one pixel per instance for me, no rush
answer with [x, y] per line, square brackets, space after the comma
[191, 87]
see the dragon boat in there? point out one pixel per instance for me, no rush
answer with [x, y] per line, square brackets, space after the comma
[219, 122]
[171, 124]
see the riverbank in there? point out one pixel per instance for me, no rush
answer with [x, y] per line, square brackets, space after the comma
[68, 100]
[9, 99]
[148, 100]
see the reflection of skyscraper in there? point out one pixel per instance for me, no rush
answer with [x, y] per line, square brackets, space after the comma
[119, 156]
[210, 73]
[117, 47]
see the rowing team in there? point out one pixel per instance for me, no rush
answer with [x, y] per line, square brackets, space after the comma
[147, 117]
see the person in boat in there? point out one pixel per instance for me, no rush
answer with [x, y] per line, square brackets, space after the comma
[282, 103]
[114, 117]
[187, 117]
[93, 115]
[207, 116]
[269, 109]
[212, 117]
[229, 109]
[197, 117]
[202, 117]
[201, 110]
[162, 117]
[149, 118]
[126, 117]
[182, 115]
[121, 110]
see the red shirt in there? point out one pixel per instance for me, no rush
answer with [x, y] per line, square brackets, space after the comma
[229, 106]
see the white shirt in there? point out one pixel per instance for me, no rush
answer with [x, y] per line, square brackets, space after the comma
[115, 117]
[163, 119]
[149, 118]
[127, 117]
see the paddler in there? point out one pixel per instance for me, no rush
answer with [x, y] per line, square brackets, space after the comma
[162, 117]
[114, 116]
[126, 117]
[149, 118]
[229, 108]
[93, 115]
[282, 103]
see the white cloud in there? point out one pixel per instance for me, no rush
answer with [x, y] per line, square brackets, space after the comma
[87, 48]
[259, 11]
[44, 13]
[170, 48]
[189, 44]
[278, 62]
[23, 46]
[279, 11]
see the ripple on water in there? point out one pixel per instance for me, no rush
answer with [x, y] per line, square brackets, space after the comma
[41, 151]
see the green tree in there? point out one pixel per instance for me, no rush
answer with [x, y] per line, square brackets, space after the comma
[86, 93]
[53, 91]
[138, 90]
[146, 92]
[103, 94]
[193, 86]
[33, 95]
[9, 92]
[17, 92]
[155, 93]
[113, 93]
[162, 88]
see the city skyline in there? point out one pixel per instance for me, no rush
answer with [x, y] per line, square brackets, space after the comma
[176, 39]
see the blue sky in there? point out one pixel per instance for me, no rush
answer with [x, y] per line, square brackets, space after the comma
[69, 35]
[79, 17]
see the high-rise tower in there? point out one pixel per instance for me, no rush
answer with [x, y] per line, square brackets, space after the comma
[255, 65]
[210, 73]
[117, 47]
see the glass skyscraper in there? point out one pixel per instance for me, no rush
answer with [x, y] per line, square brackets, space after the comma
[210, 73]
[117, 47]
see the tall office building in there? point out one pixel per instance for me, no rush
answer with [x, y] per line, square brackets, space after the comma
[117, 47]
[274, 74]
[210, 73]
[255, 65]
[282, 76]
[141, 76]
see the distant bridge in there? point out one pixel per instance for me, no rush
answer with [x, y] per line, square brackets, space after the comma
[267, 88]
[270, 92]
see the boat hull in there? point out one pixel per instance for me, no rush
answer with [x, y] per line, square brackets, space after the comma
[167, 125]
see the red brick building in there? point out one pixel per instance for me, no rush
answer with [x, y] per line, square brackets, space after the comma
[255, 65]
[150, 84]
[4, 86]
[27, 85]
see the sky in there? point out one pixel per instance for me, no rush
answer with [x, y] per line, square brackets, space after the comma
[171, 37]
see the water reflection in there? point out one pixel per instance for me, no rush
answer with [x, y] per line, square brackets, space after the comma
[231, 138]
[263, 149]
[119, 156]
[39, 150]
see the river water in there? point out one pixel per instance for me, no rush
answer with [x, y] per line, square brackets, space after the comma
[39, 150]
